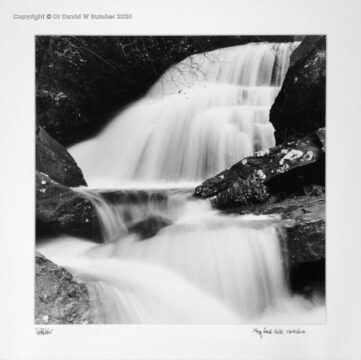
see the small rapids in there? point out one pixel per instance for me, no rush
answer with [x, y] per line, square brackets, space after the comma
[197, 265]
[205, 267]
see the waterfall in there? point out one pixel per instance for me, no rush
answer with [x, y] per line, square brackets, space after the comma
[202, 115]
[194, 264]
[200, 267]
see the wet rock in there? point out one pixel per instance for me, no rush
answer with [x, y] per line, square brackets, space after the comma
[149, 227]
[61, 210]
[53, 160]
[253, 179]
[59, 298]
[300, 105]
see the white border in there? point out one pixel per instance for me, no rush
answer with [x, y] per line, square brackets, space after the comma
[340, 338]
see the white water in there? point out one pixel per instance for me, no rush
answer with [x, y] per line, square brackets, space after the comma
[204, 268]
[203, 115]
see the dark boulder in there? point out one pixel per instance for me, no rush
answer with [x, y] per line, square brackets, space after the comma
[149, 227]
[300, 105]
[59, 298]
[60, 210]
[255, 178]
[53, 160]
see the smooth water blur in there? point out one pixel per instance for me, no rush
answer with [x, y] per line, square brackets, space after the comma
[203, 115]
[199, 266]
[205, 267]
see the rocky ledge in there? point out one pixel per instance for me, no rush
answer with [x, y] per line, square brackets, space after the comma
[303, 218]
[284, 168]
[303, 223]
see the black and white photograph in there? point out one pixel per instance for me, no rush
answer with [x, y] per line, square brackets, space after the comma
[166, 193]
[180, 179]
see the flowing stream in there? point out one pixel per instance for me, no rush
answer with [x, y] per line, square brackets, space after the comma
[203, 115]
[167, 257]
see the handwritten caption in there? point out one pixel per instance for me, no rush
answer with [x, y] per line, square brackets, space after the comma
[277, 331]
[43, 331]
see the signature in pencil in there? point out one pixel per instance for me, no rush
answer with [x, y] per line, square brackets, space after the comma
[43, 331]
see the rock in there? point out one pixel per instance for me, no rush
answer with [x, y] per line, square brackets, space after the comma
[254, 178]
[303, 218]
[53, 160]
[106, 73]
[300, 105]
[149, 227]
[308, 278]
[60, 210]
[303, 221]
[307, 44]
[59, 298]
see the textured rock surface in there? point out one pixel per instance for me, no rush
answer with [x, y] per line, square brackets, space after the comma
[59, 298]
[300, 105]
[60, 210]
[253, 179]
[307, 44]
[53, 160]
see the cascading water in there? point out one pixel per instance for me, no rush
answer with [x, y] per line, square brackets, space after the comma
[203, 115]
[201, 267]
[198, 265]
